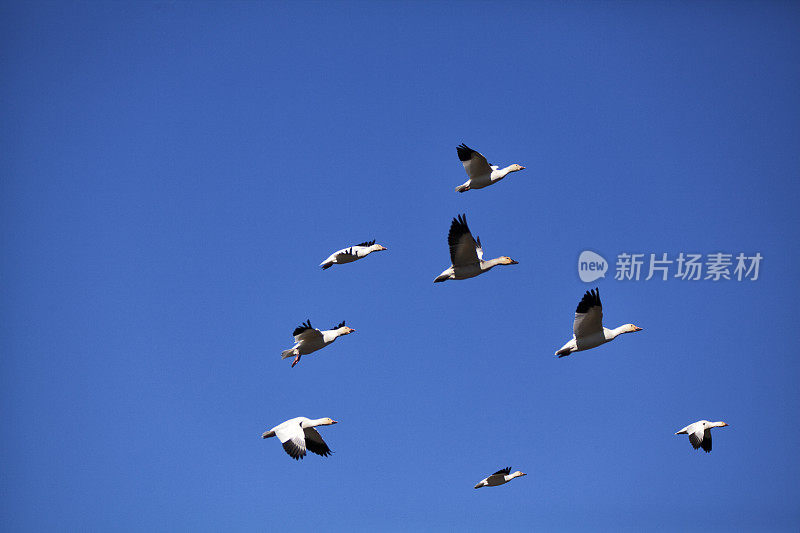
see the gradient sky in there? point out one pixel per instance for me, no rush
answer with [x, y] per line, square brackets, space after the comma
[174, 172]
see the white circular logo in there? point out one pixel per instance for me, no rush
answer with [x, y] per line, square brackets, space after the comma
[591, 266]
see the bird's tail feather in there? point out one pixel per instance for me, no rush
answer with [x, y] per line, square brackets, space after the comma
[326, 265]
[462, 188]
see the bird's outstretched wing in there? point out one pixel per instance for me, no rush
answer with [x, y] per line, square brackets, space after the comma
[314, 442]
[706, 443]
[701, 439]
[463, 247]
[588, 315]
[293, 439]
[474, 163]
[305, 332]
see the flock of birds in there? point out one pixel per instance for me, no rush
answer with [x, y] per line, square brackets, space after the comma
[297, 435]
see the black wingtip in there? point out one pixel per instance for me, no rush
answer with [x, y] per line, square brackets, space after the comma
[323, 452]
[464, 152]
[589, 300]
[460, 220]
[294, 452]
[302, 327]
[457, 228]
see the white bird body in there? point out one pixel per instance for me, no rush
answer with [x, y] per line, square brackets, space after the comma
[700, 433]
[298, 435]
[466, 254]
[472, 270]
[309, 339]
[592, 341]
[587, 328]
[352, 253]
[480, 173]
[499, 478]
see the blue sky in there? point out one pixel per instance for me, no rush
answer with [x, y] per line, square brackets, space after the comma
[174, 172]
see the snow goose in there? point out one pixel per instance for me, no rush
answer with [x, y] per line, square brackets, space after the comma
[480, 173]
[588, 326]
[700, 433]
[466, 254]
[353, 253]
[298, 435]
[498, 478]
[308, 339]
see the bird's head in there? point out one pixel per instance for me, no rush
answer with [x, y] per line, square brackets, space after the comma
[347, 330]
[505, 260]
[328, 422]
[515, 167]
[630, 328]
[518, 474]
[380, 248]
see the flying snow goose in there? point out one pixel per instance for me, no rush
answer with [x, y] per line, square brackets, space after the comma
[308, 339]
[588, 326]
[353, 253]
[480, 173]
[298, 435]
[700, 433]
[498, 478]
[466, 254]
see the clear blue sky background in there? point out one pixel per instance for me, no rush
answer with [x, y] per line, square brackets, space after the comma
[174, 172]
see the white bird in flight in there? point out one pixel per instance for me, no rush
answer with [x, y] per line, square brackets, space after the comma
[499, 478]
[309, 339]
[353, 253]
[481, 173]
[466, 254]
[700, 433]
[588, 326]
[298, 435]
